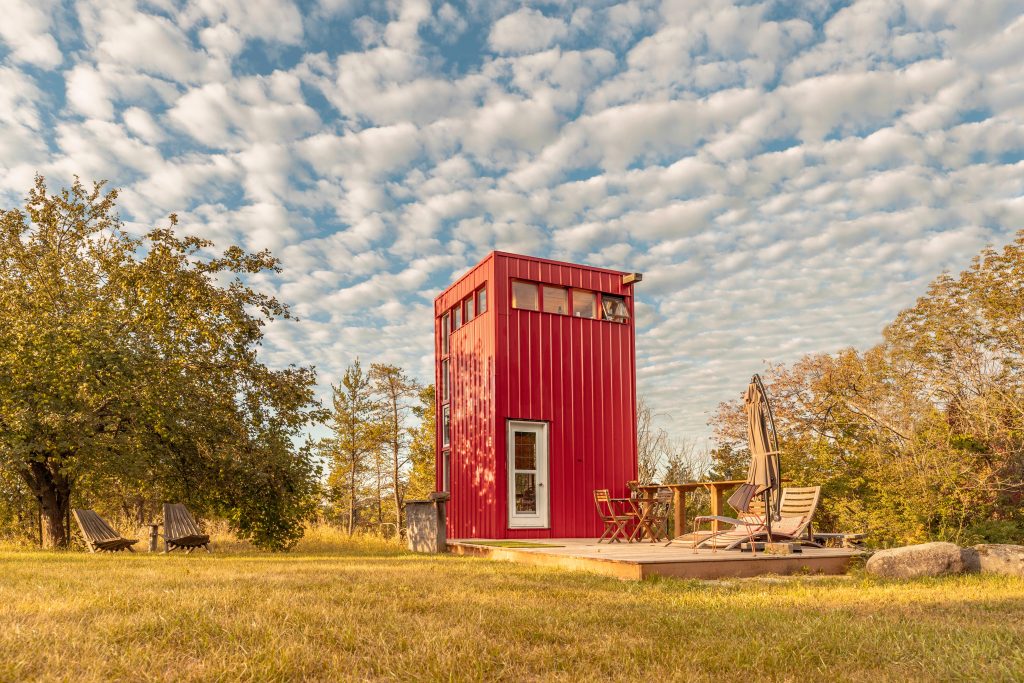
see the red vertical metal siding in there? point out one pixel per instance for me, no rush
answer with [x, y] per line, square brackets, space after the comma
[576, 374]
[472, 366]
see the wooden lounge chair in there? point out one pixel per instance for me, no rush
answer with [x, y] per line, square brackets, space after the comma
[614, 521]
[181, 531]
[99, 536]
[797, 509]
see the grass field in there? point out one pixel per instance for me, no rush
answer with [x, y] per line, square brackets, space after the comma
[365, 610]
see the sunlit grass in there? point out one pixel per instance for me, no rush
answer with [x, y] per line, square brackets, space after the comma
[341, 609]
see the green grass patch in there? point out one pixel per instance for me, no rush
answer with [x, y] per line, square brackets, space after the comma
[516, 544]
[366, 610]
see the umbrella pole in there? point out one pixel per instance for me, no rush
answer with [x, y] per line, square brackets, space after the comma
[774, 445]
[768, 513]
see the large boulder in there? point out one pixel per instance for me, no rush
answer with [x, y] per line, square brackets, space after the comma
[912, 561]
[1000, 559]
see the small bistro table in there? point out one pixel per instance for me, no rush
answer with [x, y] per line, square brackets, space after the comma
[679, 491]
[643, 510]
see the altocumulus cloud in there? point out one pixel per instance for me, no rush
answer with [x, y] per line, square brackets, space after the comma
[787, 175]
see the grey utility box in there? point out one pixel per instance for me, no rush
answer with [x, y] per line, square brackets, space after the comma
[426, 529]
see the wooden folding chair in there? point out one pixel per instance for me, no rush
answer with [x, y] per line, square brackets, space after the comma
[614, 521]
[181, 531]
[99, 536]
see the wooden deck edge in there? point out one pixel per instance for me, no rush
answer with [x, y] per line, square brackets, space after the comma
[749, 567]
[616, 568]
[739, 566]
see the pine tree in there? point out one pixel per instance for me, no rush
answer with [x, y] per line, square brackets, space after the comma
[394, 390]
[351, 448]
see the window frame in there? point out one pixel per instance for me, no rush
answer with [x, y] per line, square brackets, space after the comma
[446, 426]
[595, 309]
[604, 314]
[446, 470]
[445, 334]
[544, 299]
[512, 295]
[446, 382]
[481, 298]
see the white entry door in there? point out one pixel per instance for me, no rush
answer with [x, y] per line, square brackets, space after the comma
[528, 499]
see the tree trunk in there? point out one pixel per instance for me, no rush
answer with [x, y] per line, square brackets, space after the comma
[398, 495]
[380, 496]
[352, 499]
[395, 446]
[53, 491]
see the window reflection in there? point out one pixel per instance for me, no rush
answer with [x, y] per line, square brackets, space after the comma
[584, 304]
[525, 296]
[556, 300]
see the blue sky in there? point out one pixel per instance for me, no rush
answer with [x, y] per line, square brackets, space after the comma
[786, 175]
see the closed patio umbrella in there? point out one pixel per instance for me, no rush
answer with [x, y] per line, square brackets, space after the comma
[763, 476]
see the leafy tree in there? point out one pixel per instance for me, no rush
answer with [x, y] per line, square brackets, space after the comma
[394, 390]
[919, 437]
[423, 446]
[355, 439]
[651, 441]
[18, 521]
[134, 360]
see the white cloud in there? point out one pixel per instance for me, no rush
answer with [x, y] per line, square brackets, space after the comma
[26, 29]
[526, 30]
[253, 109]
[271, 20]
[22, 138]
[786, 183]
[142, 124]
[122, 35]
[386, 85]
[88, 94]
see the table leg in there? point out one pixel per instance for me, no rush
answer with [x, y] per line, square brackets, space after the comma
[717, 498]
[642, 510]
[678, 512]
[638, 512]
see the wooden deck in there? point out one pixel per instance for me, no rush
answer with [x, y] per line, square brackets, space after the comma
[635, 561]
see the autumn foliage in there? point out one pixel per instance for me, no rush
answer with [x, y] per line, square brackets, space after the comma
[922, 436]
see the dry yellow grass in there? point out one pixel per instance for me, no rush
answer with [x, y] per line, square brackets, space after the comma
[366, 610]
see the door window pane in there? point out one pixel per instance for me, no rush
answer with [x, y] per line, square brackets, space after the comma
[446, 427]
[444, 334]
[470, 305]
[584, 304]
[556, 300]
[526, 492]
[614, 308]
[481, 301]
[526, 450]
[524, 296]
[446, 474]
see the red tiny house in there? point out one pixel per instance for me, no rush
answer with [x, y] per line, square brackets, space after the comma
[546, 366]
